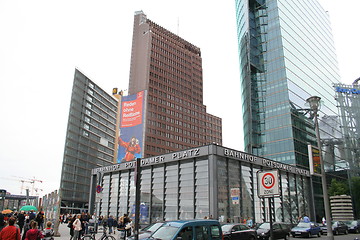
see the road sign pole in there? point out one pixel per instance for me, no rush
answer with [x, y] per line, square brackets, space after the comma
[271, 220]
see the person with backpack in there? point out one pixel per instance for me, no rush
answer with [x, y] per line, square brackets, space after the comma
[48, 231]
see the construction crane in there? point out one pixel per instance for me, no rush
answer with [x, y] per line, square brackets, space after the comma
[32, 181]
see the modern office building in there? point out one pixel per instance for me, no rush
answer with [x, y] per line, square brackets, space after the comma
[89, 141]
[170, 69]
[348, 102]
[200, 182]
[286, 54]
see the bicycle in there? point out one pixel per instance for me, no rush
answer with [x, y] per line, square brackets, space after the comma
[104, 236]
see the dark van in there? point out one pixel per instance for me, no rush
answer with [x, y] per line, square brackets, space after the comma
[189, 230]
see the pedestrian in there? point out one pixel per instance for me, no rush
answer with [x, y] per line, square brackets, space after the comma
[2, 221]
[32, 215]
[249, 222]
[306, 218]
[34, 233]
[77, 227]
[26, 227]
[11, 232]
[110, 223]
[40, 220]
[123, 221]
[21, 220]
[70, 225]
[49, 232]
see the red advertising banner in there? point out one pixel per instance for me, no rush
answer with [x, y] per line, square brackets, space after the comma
[314, 160]
[132, 111]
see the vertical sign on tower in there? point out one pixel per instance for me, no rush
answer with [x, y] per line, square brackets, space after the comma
[131, 135]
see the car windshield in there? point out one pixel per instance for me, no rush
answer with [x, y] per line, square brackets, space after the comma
[351, 223]
[264, 226]
[165, 233]
[303, 225]
[226, 228]
[152, 227]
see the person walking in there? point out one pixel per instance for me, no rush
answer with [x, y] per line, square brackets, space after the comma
[34, 233]
[11, 232]
[110, 223]
[48, 231]
[2, 221]
[70, 225]
[77, 227]
[40, 220]
[21, 220]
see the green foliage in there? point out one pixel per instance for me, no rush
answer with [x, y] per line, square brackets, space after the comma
[355, 192]
[338, 188]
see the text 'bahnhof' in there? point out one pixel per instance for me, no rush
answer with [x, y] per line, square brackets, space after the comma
[196, 183]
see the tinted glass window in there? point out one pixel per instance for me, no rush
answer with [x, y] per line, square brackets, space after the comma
[186, 233]
[215, 232]
[201, 233]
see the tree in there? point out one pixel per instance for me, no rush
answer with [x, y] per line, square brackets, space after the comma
[338, 188]
[355, 192]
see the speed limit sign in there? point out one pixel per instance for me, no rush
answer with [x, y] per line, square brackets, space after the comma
[268, 183]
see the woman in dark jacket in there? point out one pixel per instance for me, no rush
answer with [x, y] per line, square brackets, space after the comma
[70, 225]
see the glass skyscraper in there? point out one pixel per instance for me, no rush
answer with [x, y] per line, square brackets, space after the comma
[286, 54]
[89, 141]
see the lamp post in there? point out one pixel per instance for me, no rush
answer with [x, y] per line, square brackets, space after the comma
[314, 103]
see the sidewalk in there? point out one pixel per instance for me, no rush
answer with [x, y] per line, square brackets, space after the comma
[65, 233]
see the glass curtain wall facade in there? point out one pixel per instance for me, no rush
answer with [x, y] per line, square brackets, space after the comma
[89, 141]
[206, 181]
[286, 55]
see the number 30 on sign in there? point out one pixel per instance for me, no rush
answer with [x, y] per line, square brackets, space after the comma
[268, 183]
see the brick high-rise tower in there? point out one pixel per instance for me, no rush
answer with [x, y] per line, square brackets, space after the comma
[170, 68]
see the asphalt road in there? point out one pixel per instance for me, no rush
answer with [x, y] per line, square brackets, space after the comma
[65, 235]
[350, 236]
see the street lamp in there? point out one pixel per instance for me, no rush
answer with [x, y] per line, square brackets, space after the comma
[314, 103]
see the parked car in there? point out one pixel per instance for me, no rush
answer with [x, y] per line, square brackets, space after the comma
[280, 231]
[306, 229]
[238, 231]
[353, 226]
[337, 228]
[188, 230]
[147, 231]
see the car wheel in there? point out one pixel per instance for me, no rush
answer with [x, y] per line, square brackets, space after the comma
[336, 232]
[293, 235]
[309, 235]
[357, 230]
[319, 234]
[346, 232]
[286, 237]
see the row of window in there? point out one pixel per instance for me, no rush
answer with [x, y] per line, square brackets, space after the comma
[194, 141]
[181, 101]
[209, 123]
[161, 37]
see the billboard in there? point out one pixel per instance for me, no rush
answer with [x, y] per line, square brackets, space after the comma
[314, 160]
[131, 133]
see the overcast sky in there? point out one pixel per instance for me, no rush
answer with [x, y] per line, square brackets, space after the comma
[43, 41]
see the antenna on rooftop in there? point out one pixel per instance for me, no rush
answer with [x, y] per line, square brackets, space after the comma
[178, 23]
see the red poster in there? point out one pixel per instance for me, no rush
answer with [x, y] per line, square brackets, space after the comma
[132, 112]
